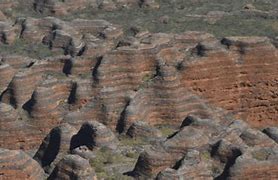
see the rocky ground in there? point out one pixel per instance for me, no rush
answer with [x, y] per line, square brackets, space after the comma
[138, 89]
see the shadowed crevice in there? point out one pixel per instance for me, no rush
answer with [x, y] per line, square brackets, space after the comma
[67, 67]
[28, 106]
[121, 125]
[72, 96]
[95, 69]
[83, 137]
[49, 149]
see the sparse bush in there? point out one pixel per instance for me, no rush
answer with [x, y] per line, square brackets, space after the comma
[132, 155]
[260, 155]
[166, 130]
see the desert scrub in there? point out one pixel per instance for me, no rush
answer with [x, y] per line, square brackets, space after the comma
[260, 155]
[147, 77]
[24, 48]
[106, 157]
[166, 130]
[178, 21]
[128, 141]
[23, 8]
[205, 155]
[132, 155]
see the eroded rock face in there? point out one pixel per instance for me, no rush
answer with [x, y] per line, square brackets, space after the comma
[193, 166]
[8, 33]
[272, 132]
[73, 167]
[154, 78]
[55, 145]
[256, 163]
[94, 88]
[141, 129]
[246, 57]
[7, 72]
[14, 132]
[94, 134]
[208, 149]
[18, 165]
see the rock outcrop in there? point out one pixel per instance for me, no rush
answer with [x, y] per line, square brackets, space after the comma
[153, 78]
[55, 145]
[18, 165]
[141, 129]
[229, 82]
[94, 135]
[78, 91]
[255, 164]
[73, 167]
[208, 149]
[272, 132]
[7, 32]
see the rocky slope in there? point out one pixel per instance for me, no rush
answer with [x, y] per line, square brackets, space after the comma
[85, 98]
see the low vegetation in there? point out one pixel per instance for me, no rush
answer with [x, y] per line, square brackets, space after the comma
[23, 48]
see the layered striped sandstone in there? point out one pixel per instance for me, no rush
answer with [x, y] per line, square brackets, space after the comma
[203, 147]
[18, 165]
[155, 78]
[242, 79]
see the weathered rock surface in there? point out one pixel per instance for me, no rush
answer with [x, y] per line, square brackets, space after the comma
[18, 165]
[94, 134]
[203, 147]
[73, 167]
[258, 163]
[55, 145]
[7, 73]
[272, 132]
[98, 81]
[237, 90]
[142, 129]
[7, 32]
[149, 77]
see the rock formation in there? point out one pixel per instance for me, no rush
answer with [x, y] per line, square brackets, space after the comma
[55, 145]
[244, 95]
[15, 164]
[94, 134]
[154, 77]
[119, 85]
[73, 167]
[142, 129]
[272, 132]
[7, 33]
[204, 149]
